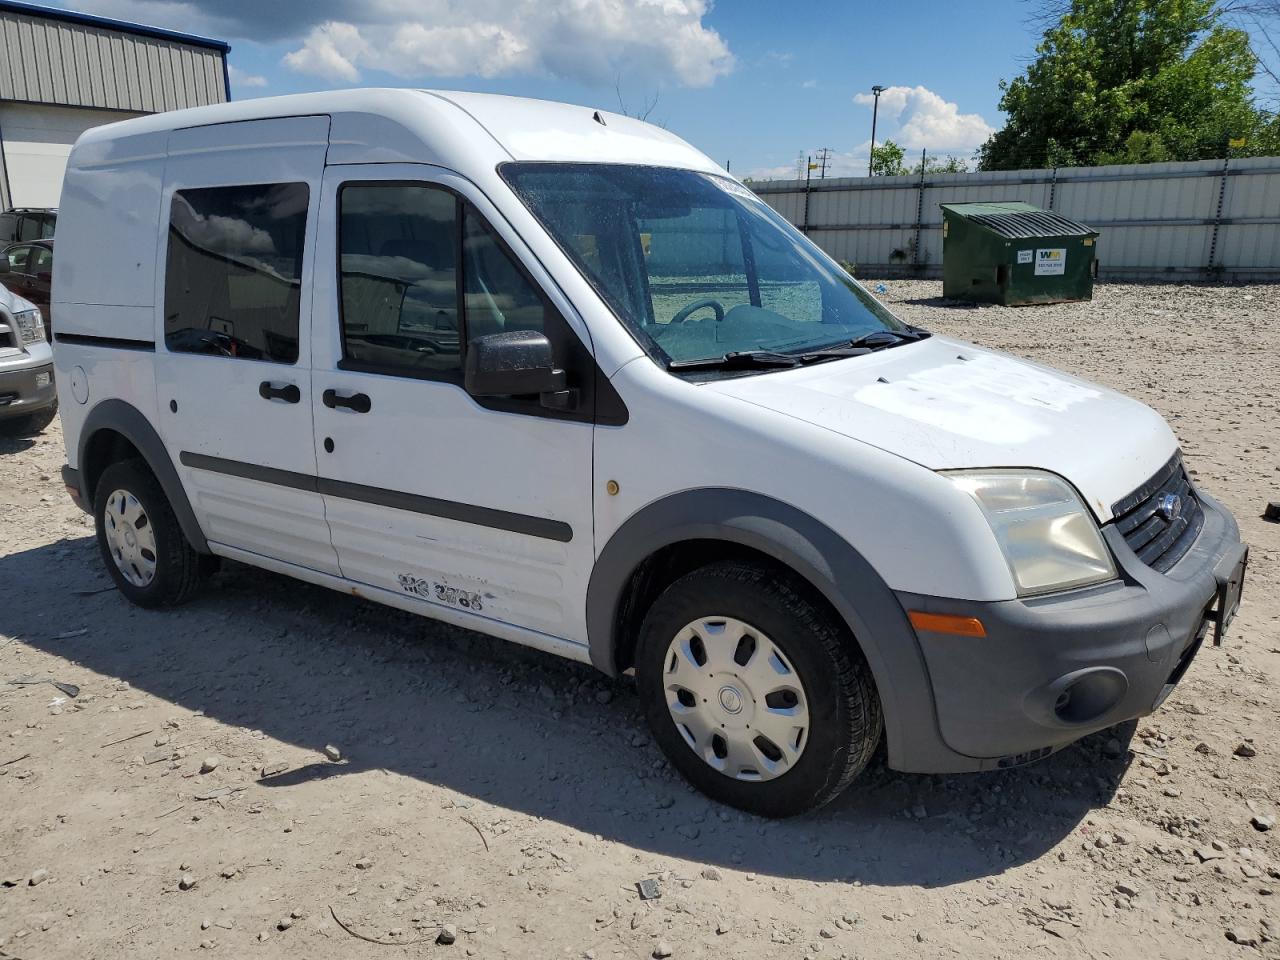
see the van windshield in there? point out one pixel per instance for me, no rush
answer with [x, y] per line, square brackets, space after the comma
[696, 265]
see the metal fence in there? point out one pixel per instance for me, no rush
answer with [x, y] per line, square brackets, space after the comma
[1200, 220]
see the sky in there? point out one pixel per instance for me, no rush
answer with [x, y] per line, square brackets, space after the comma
[752, 83]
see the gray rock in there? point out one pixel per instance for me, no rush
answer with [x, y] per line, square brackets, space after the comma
[1060, 929]
[332, 752]
[710, 873]
[1126, 889]
[1263, 822]
[284, 923]
[723, 927]
[186, 882]
[604, 696]
[209, 764]
[1245, 749]
[661, 949]
[1242, 936]
[364, 863]
[448, 934]
[827, 933]
[38, 876]
[1112, 748]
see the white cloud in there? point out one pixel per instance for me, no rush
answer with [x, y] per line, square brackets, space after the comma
[242, 79]
[587, 40]
[920, 119]
[331, 51]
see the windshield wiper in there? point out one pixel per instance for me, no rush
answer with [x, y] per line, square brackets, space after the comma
[738, 360]
[771, 359]
[867, 343]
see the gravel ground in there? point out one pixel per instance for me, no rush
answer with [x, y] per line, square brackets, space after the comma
[184, 800]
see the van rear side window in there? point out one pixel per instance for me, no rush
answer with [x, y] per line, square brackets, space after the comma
[234, 271]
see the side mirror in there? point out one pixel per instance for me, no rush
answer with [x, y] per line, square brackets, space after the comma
[516, 363]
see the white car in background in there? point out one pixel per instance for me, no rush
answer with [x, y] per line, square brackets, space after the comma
[28, 397]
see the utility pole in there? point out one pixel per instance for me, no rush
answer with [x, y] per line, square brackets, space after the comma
[823, 156]
[875, 111]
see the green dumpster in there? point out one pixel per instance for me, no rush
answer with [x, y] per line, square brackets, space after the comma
[1013, 253]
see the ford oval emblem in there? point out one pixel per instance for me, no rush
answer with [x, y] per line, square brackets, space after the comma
[1170, 507]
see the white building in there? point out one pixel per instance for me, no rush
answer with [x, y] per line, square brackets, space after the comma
[63, 72]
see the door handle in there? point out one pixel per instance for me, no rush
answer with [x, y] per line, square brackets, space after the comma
[288, 393]
[358, 402]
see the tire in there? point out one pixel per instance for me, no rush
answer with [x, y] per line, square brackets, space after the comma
[31, 424]
[141, 542]
[823, 705]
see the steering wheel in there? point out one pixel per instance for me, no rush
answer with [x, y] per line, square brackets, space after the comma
[683, 313]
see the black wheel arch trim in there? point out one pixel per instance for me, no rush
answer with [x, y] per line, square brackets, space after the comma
[132, 424]
[813, 551]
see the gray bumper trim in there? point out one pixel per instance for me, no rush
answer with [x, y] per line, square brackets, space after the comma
[19, 393]
[1053, 669]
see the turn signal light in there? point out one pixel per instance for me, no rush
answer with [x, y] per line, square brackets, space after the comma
[947, 623]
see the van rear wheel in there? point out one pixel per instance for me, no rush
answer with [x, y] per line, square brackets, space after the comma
[755, 692]
[141, 542]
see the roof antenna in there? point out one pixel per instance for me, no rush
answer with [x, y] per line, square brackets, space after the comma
[598, 119]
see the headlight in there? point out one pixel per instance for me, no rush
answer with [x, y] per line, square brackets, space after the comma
[1048, 536]
[30, 326]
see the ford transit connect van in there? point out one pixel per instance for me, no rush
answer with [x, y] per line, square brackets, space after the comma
[548, 373]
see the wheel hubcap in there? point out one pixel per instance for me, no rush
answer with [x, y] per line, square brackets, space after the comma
[735, 698]
[130, 538]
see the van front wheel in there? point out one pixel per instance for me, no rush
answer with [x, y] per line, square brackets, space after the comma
[755, 692]
[140, 539]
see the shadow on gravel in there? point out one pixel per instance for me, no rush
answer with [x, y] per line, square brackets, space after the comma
[10, 444]
[516, 728]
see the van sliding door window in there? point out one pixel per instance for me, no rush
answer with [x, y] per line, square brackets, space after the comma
[234, 271]
[398, 280]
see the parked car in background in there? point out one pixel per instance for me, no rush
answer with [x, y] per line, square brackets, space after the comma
[27, 223]
[28, 397]
[31, 275]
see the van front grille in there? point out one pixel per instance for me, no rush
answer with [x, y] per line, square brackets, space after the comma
[1162, 518]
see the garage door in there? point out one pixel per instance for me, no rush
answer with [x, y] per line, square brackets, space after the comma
[37, 140]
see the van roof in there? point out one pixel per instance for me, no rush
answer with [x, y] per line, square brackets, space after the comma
[385, 124]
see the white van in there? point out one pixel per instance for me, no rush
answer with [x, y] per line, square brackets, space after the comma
[548, 373]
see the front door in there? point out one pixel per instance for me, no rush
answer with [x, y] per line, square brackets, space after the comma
[233, 354]
[484, 507]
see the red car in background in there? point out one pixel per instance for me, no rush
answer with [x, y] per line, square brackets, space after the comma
[31, 275]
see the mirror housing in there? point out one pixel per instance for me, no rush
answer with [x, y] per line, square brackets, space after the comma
[512, 364]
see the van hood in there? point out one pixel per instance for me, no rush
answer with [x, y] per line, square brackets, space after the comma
[948, 405]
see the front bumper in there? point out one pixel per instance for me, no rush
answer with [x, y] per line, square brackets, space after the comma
[1053, 669]
[26, 390]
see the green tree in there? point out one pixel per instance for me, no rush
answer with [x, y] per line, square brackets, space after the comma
[886, 160]
[947, 164]
[1130, 81]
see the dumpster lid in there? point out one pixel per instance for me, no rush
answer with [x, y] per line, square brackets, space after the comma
[1016, 220]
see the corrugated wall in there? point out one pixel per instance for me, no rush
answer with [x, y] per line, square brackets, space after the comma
[1206, 218]
[73, 64]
